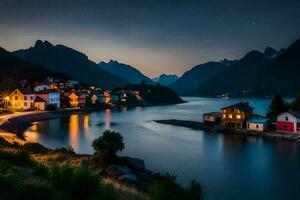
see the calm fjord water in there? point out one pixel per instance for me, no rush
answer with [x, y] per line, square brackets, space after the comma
[229, 167]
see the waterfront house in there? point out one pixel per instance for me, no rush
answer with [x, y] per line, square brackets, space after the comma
[41, 87]
[257, 124]
[22, 99]
[40, 103]
[50, 96]
[289, 122]
[235, 116]
[104, 97]
[73, 96]
[93, 98]
[212, 117]
[81, 99]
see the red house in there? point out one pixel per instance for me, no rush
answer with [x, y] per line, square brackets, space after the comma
[289, 122]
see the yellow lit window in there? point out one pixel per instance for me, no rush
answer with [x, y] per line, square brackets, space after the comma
[224, 116]
[230, 116]
[224, 111]
[238, 116]
[239, 111]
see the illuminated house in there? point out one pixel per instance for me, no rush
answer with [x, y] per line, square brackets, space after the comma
[93, 98]
[289, 122]
[235, 116]
[104, 97]
[257, 124]
[82, 99]
[22, 99]
[50, 96]
[40, 103]
[211, 117]
[73, 98]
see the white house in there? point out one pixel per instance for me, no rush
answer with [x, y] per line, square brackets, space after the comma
[289, 122]
[50, 96]
[22, 99]
[41, 87]
[212, 117]
[257, 124]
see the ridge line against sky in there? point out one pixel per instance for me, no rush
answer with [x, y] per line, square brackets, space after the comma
[154, 36]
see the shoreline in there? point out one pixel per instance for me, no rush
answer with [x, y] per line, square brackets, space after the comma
[17, 124]
[217, 129]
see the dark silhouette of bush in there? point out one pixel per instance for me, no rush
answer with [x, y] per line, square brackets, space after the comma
[109, 143]
[34, 148]
[51, 107]
[168, 189]
[78, 183]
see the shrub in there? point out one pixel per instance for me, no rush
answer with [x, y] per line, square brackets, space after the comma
[110, 142]
[168, 189]
[34, 148]
[20, 158]
[76, 183]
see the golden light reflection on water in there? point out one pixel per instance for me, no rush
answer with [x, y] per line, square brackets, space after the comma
[32, 135]
[86, 123]
[107, 119]
[74, 130]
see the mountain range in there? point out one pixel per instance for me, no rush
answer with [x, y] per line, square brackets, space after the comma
[165, 79]
[257, 74]
[75, 64]
[127, 72]
[191, 79]
[14, 70]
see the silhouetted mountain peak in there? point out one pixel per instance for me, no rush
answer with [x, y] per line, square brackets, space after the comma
[113, 62]
[40, 43]
[270, 52]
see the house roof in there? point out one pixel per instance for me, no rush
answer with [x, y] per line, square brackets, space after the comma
[26, 91]
[46, 91]
[39, 99]
[244, 106]
[258, 120]
[70, 92]
[212, 113]
[294, 113]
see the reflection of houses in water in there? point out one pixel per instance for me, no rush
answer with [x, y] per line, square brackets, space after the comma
[86, 123]
[236, 142]
[74, 130]
[107, 118]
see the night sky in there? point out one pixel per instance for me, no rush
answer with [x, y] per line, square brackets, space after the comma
[153, 35]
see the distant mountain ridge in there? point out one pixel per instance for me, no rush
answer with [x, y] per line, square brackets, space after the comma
[127, 72]
[71, 62]
[165, 79]
[258, 75]
[191, 79]
[237, 79]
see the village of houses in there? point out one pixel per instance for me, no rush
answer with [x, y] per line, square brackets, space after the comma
[58, 94]
[240, 117]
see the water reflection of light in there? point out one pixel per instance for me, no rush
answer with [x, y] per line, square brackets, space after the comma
[34, 127]
[73, 130]
[31, 136]
[107, 118]
[86, 123]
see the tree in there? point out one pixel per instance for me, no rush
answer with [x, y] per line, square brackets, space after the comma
[110, 142]
[65, 101]
[295, 105]
[277, 106]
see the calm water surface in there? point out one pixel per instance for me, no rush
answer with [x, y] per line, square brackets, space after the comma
[230, 167]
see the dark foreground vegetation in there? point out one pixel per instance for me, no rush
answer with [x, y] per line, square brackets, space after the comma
[32, 171]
